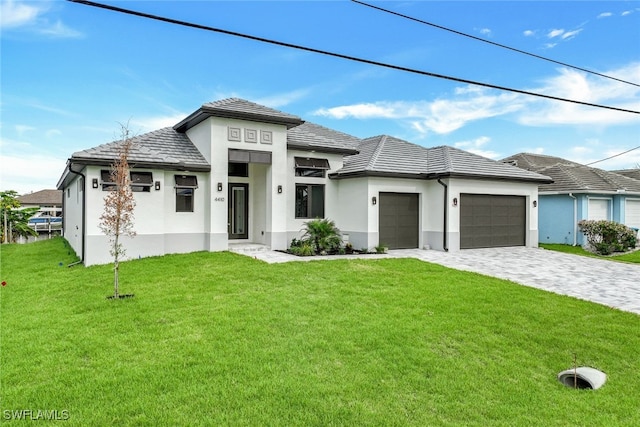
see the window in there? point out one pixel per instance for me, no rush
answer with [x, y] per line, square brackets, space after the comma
[141, 181]
[310, 167]
[239, 169]
[185, 189]
[108, 184]
[309, 201]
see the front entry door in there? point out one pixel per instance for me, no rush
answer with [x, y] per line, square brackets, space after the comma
[238, 211]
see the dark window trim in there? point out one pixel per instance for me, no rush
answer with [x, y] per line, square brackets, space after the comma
[312, 163]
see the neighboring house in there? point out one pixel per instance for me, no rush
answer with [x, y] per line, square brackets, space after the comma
[234, 171]
[579, 192]
[48, 201]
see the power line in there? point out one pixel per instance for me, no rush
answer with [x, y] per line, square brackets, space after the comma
[339, 55]
[611, 157]
[492, 43]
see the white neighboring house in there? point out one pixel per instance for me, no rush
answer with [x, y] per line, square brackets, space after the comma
[235, 171]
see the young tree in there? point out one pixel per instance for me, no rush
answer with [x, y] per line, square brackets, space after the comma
[116, 220]
[15, 221]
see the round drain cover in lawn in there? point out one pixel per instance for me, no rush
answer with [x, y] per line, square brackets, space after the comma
[583, 377]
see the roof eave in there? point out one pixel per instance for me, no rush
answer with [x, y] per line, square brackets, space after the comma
[331, 150]
[205, 112]
[177, 166]
[488, 177]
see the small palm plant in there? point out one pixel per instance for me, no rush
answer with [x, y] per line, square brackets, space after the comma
[324, 235]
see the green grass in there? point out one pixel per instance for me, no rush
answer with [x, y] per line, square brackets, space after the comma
[221, 339]
[633, 257]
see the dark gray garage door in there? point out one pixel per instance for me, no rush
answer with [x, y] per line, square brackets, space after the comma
[399, 220]
[488, 221]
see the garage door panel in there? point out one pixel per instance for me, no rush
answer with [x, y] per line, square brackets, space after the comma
[398, 220]
[492, 221]
[632, 213]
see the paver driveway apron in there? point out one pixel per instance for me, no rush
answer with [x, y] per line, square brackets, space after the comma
[610, 283]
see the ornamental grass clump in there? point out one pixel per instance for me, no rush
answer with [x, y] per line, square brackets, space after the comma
[606, 237]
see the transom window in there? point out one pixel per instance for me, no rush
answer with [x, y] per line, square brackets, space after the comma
[185, 190]
[311, 167]
[140, 181]
[239, 169]
[309, 201]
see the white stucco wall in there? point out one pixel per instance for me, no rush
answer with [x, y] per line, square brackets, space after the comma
[332, 202]
[72, 215]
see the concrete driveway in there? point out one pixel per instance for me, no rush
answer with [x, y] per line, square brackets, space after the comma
[610, 283]
[605, 282]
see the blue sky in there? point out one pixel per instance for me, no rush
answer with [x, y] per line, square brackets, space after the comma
[71, 73]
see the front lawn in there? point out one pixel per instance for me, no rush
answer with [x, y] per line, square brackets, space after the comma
[633, 257]
[222, 339]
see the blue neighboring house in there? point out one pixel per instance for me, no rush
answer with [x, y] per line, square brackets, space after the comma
[580, 192]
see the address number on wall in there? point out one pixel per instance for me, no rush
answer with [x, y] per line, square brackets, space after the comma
[219, 199]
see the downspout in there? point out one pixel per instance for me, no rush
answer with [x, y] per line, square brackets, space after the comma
[445, 245]
[575, 219]
[84, 205]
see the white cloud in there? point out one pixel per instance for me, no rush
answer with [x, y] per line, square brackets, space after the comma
[22, 129]
[626, 12]
[571, 34]
[555, 33]
[53, 132]
[528, 33]
[605, 15]
[30, 172]
[30, 16]
[361, 111]
[549, 45]
[148, 124]
[60, 30]
[283, 99]
[13, 15]
[475, 146]
[485, 31]
[579, 86]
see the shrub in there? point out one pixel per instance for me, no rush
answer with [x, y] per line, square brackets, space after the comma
[302, 248]
[323, 234]
[606, 237]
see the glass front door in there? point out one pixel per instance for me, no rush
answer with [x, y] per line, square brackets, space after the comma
[238, 211]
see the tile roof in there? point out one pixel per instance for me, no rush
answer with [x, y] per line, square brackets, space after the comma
[386, 155]
[236, 108]
[631, 173]
[570, 177]
[310, 136]
[42, 197]
[161, 148]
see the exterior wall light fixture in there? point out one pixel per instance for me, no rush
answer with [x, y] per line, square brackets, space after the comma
[535, 203]
[157, 185]
[219, 186]
[455, 201]
[279, 189]
[94, 182]
[374, 201]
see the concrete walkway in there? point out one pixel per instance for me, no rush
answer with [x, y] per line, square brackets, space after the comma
[605, 282]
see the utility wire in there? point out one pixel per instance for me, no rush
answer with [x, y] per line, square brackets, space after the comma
[339, 55]
[611, 157]
[492, 43]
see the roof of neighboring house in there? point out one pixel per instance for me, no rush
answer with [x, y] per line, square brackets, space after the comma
[572, 177]
[310, 136]
[388, 156]
[161, 148]
[631, 173]
[236, 108]
[41, 198]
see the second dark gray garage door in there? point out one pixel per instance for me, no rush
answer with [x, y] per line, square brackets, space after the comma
[488, 221]
[398, 220]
